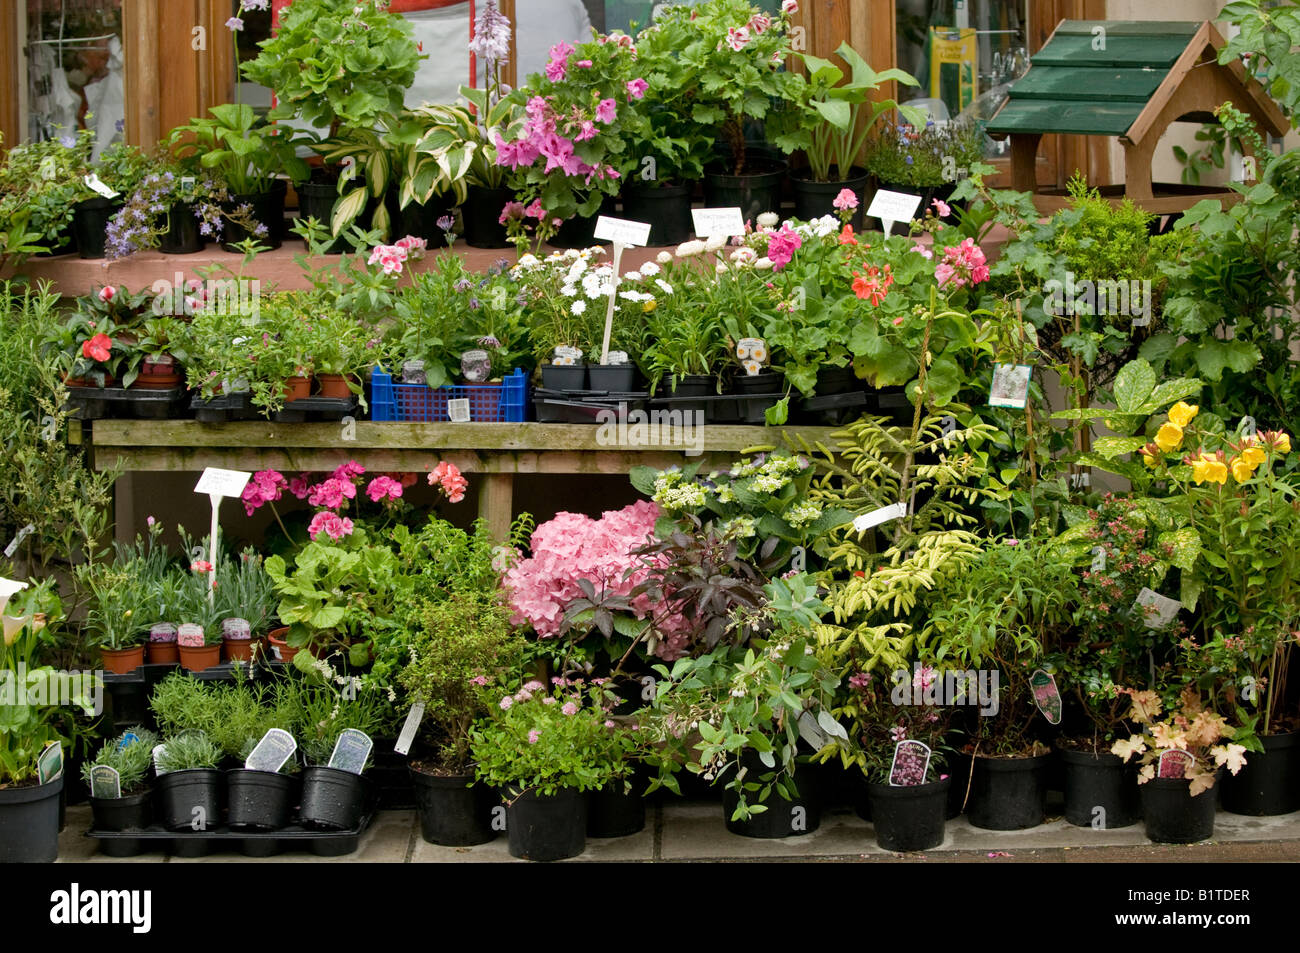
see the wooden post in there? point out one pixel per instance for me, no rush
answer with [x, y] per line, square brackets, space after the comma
[496, 503]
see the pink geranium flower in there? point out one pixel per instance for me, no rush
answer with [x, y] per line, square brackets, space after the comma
[606, 111]
[447, 477]
[738, 38]
[384, 488]
[846, 201]
[782, 245]
[636, 88]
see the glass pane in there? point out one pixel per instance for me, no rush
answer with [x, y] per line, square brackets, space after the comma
[75, 69]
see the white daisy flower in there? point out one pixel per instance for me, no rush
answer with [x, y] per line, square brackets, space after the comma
[578, 307]
[768, 220]
[649, 269]
[715, 243]
[663, 258]
[690, 249]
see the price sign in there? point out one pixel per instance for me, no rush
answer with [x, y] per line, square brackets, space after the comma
[718, 222]
[892, 207]
[222, 482]
[621, 231]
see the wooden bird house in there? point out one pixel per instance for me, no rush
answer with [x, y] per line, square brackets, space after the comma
[1127, 79]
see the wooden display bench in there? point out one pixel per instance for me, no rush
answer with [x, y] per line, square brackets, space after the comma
[495, 451]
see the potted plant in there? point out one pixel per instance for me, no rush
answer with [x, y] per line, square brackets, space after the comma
[733, 715]
[256, 798]
[544, 749]
[120, 588]
[913, 157]
[563, 296]
[1178, 746]
[462, 648]
[190, 787]
[39, 183]
[733, 56]
[247, 601]
[130, 754]
[198, 637]
[120, 169]
[162, 355]
[837, 114]
[175, 207]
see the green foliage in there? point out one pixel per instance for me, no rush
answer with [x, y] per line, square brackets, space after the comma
[189, 751]
[132, 760]
[1268, 34]
[243, 151]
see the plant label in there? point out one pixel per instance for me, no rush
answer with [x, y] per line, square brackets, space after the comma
[893, 207]
[17, 540]
[476, 366]
[752, 354]
[718, 222]
[458, 410]
[616, 358]
[566, 355]
[50, 763]
[812, 732]
[351, 751]
[222, 482]
[1046, 695]
[622, 230]
[276, 747]
[105, 782]
[187, 185]
[1010, 386]
[409, 728]
[7, 589]
[1174, 764]
[1164, 609]
[92, 182]
[910, 765]
[865, 521]
[1098, 559]
[237, 630]
[190, 635]
[157, 754]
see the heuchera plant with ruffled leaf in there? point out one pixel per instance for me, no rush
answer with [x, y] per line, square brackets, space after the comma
[1189, 728]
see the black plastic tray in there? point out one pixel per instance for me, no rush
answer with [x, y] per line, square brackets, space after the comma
[224, 407]
[96, 403]
[584, 407]
[315, 408]
[222, 838]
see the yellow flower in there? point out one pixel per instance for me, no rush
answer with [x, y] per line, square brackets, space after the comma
[1253, 456]
[1208, 467]
[1282, 443]
[1182, 413]
[649, 305]
[1169, 436]
[1241, 469]
[1148, 459]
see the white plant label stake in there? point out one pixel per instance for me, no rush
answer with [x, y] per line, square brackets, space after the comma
[217, 483]
[105, 782]
[623, 234]
[718, 222]
[865, 521]
[1166, 608]
[409, 727]
[276, 747]
[17, 540]
[351, 750]
[893, 207]
[158, 751]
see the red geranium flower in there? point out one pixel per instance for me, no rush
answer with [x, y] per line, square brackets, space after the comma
[97, 348]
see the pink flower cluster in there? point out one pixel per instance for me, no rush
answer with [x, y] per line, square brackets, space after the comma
[782, 245]
[846, 201]
[962, 265]
[391, 258]
[572, 547]
[447, 477]
[517, 211]
[329, 524]
[266, 486]
[383, 489]
[332, 493]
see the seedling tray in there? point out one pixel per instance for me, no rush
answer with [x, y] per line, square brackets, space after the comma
[222, 839]
[96, 403]
[833, 410]
[316, 409]
[224, 407]
[584, 406]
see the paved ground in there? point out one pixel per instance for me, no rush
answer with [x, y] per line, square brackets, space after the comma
[694, 831]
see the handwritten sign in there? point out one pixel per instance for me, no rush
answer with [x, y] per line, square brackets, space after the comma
[276, 747]
[1010, 386]
[351, 751]
[622, 231]
[865, 521]
[105, 782]
[1046, 695]
[910, 765]
[892, 207]
[718, 222]
[222, 482]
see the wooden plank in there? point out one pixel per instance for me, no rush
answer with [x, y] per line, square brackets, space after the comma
[425, 437]
[140, 29]
[1057, 116]
[1092, 85]
[12, 82]
[496, 503]
[1183, 28]
[1158, 52]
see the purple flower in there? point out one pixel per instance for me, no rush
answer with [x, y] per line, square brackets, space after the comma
[234, 23]
[446, 222]
[491, 40]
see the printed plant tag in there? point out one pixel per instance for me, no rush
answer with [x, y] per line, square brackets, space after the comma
[50, 763]
[157, 753]
[1098, 559]
[718, 222]
[476, 366]
[458, 410]
[409, 727]
[883, 515]
[351, 751]
[92, 181]
[1010, 386]
[1165, 609]
[751, 351]
[1174, 764]
[190, 635]
[812, 733]
[910, 765]
[1046, 695]
[616, 358]
[236, 629]
[566, 356]
[105, 782]
[17, 540]
[276, 747]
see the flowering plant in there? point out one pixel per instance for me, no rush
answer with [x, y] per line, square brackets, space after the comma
[1187, 726]
[99, 340]
[571, 151]
[168, 188]
[541, 740]
[914, 154]
[879, 723]
[39, 183]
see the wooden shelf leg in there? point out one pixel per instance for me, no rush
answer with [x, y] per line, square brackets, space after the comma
[496, 502]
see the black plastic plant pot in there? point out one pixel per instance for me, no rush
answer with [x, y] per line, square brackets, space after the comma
[612, 378]
[1269, 784]
[332, 799]
[421, 221]
[1008, 794]
[182, 236]
[564, 376]
[268, 209]
[764, 382]
[454, 811]
[316, 200]
[29, 823]
[1100, 790]
[666, 209]
[614, 812]
[190, 800]
[1172, 815]
[754, 192]
[481, 216]
[546, 826]
[783, 818]
[892, 404]
[909, 818]
[90, 225]
[134, 812]
[580, 230]
[64, 242]
[815, 199]
[258, 800]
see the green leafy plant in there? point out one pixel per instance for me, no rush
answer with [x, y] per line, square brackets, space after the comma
[130, 757]
[189, 751]
[241, 150]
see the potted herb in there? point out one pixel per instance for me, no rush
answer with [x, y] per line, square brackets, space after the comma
[544, 749]
[462, 648]
[190, 787]
[120, 588]
[260, 794]
[333, 794]
[247, 601]
[130, 755]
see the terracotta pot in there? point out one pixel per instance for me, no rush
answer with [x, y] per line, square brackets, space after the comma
[281, 650]
[333, 385]
[123, 661]
[158, 375]
[238, 650]
[196, 660]
[297, 388]
[163, 653]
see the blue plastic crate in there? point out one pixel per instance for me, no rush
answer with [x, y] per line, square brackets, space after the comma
[506, 402]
